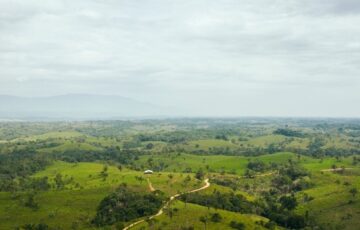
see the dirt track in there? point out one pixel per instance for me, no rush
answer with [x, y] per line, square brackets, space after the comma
[161, 211]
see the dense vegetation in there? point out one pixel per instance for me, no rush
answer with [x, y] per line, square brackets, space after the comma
[264, 173]
[124, 205]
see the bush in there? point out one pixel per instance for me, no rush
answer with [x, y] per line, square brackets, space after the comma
[216, 217]
[237, 225]
[125, 205]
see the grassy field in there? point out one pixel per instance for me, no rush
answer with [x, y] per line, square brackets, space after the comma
[189, 215]
[316, 165]
[215, 163]
[176, 151]
[50, 135]
[84, 190]
[333, 205]
[64, 208]
[209, 143]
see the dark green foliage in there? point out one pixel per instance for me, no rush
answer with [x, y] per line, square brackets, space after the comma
[200, 174]
[221, 137]
[315, 147]
[30, 201]
[288, 202]
[40, 226]
[216, 217]
[38, 184]
[293, 170]
[228, 201]
[125, 156]
[237, 225]
[59, 181]
[149, 146]
[257, 166]
[125, 205]
[289, 133]
[353, 191]
[19, 163]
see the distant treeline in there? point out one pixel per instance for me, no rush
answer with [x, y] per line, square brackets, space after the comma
[289, 133]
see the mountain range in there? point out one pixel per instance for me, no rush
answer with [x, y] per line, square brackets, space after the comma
[76, 106]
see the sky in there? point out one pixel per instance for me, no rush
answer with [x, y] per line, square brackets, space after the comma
[202, 57]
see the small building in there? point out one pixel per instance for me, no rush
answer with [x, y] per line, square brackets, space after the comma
[148, 172]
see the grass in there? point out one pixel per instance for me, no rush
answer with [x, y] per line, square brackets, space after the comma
[313, 164]
[87, 175]
[209, 143]
[264, 141]
[76, 205]
[56, 208]
[51, 135]
[331, 205]
[216, 163]
[189, 215]
[68, 146]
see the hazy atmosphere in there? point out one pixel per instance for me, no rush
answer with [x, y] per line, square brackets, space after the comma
[179, 114]
[191, 58]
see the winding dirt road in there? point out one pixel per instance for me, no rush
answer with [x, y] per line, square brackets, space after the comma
[161, 211]
[151, 188]
[335, 169]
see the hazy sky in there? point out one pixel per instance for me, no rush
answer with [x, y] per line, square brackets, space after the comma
[207, 57]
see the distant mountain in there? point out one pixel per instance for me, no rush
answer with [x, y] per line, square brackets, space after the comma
[75, 106]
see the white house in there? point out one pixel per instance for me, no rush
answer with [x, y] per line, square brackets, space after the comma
[148, 172]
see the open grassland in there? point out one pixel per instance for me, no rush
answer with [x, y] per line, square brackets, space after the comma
[50, 135]
[189, 214]
[67, 140]
[68, 146]
[209, 143]
[333, 205]
[263, 141]
[316, 165]
[176, 151]
[88, 175]
[63, 208]
[214, 163]
[76, 203]
[223, 189]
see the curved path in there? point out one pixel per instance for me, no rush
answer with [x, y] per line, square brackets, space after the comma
[161, 211]
[335, 169]
[151, 188]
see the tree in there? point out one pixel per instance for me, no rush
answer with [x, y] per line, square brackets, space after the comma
[104, 174]
[59, 181]
[170, 176]
[288, 202]
[353, 191]
[204, 220]
[333, 166]
[125, 205]
[140, 179]
[35, 227]
[120, 167]
[237, 225]
[30, 201]
[249, 173]
[151, 222]
[150, 146]
[199, 174]
[216, 217]
[169, 212]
